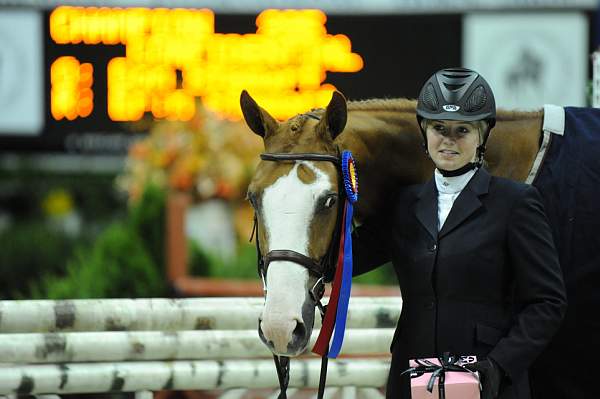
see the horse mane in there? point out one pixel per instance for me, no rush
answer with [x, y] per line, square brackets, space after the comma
[383, 104]
[410, 105]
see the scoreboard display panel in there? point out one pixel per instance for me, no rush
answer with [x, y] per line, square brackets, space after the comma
[107, 72]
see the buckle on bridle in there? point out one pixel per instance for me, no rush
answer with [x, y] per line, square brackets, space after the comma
[316, 293]
[262, 277]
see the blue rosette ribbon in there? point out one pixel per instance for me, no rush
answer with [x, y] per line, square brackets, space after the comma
[351, 188]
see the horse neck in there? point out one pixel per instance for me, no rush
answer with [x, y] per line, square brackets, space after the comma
[514, 144]
[386, 144]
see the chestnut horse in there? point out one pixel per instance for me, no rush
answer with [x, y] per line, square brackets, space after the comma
[295, 200]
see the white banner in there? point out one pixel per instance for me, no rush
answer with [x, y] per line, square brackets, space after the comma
[21, 72]
[529, 59]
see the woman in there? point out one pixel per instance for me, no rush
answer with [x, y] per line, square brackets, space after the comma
[473, 253]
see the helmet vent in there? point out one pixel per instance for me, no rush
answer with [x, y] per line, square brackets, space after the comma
[455, 76]
[453, 87]
[462, 70]
[477, 100]
[429, 98]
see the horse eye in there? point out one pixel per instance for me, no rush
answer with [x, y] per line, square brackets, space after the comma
[250, 196]
[330, 201]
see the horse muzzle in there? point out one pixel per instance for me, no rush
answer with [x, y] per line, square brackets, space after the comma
[287, 336]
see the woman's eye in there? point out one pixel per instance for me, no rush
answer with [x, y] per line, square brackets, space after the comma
[463, 130]
[439, 128]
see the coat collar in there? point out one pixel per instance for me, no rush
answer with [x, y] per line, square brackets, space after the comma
[466, 204]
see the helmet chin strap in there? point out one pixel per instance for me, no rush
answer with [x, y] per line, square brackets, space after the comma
[460, 171]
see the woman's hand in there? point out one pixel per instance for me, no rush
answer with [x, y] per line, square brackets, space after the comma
[490, 375]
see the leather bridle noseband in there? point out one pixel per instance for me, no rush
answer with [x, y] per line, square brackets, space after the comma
[322, 269]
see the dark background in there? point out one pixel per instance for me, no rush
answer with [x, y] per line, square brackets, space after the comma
[399, 52]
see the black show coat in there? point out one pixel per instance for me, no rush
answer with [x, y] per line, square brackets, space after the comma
[488, 284]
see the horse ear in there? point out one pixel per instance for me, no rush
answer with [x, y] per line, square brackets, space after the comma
[336, 114]
[257, 118]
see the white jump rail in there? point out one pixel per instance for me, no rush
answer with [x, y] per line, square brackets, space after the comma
[145, 345]
[158, 345]
[169, 314]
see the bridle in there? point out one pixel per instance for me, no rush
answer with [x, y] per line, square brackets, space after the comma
[323, 269]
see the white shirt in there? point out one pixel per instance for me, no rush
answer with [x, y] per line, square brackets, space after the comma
[448, 189]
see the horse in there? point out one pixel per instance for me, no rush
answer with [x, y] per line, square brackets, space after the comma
[294, 200]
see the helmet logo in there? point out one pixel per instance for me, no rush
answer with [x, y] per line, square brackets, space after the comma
[451, 108]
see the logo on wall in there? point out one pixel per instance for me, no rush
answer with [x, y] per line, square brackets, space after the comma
[529, 60]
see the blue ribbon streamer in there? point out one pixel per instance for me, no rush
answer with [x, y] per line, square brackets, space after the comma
[344, 298]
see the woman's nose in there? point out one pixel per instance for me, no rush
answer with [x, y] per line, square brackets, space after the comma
[448, 138]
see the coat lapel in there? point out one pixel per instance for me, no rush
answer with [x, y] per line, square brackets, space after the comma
[426, 208]
[467, 201]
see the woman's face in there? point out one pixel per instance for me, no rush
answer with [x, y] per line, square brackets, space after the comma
[452, 144]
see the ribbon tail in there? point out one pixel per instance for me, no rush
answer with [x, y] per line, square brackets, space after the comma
[322, 343]
[346, 286]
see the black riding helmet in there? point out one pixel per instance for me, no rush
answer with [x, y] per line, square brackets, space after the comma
[458, 94]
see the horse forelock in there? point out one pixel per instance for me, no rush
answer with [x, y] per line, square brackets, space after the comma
[297, 122]
[301, 134]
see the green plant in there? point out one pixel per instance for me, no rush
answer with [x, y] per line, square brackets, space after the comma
[126, 260]
[198, 260]
[383, 275]
[117, 266]
[147, 220]
[242, 266]
[30, 251]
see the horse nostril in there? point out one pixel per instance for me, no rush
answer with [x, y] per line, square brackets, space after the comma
[299, 332]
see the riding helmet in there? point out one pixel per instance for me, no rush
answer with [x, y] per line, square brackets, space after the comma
[457, 94]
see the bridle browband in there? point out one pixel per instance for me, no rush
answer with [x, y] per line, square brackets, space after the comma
[323, 269]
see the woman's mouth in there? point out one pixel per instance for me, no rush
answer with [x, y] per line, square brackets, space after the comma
[448, 153]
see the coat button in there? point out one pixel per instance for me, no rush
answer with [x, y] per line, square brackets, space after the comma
[432, 247]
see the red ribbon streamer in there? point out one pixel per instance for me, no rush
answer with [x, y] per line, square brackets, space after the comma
[322, 344]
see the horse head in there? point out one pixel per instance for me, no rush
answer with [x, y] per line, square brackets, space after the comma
[296, 203]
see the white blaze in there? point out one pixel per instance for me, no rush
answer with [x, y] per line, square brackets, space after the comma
[287, 209]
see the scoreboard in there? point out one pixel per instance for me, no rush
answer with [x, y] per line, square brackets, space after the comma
[105, 73]
[173, 56]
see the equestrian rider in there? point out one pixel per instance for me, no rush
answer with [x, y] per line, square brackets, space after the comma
[473, 253]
